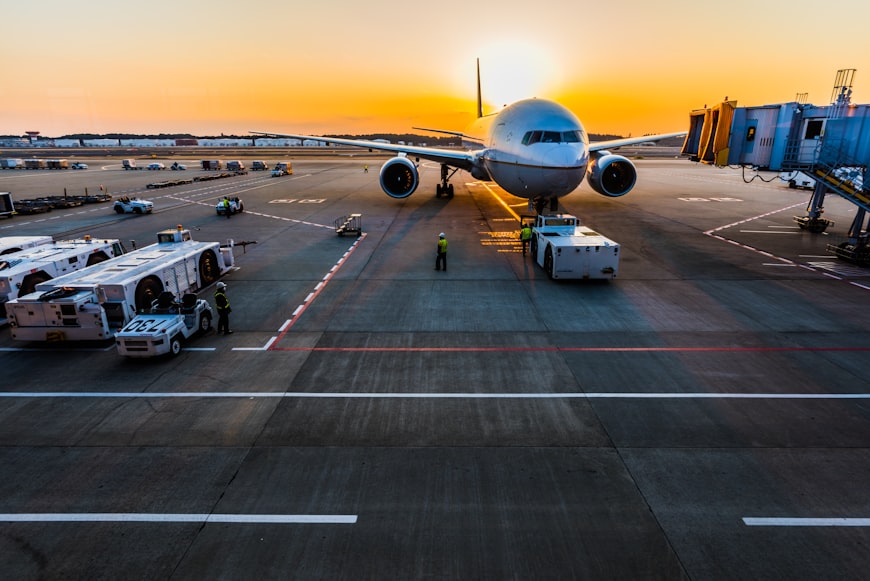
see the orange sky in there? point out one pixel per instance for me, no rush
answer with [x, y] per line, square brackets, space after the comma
[334, 66]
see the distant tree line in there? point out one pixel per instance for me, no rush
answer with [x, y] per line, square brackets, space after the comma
[391, 137]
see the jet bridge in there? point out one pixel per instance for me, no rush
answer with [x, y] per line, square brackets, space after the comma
[830, 143]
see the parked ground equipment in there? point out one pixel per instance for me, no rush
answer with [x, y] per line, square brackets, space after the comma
[127, 205]
[565, 249]
[165, 326]
[98, 301]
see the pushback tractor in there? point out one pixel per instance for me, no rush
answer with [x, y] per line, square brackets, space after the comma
[565, 249]
[98, 301]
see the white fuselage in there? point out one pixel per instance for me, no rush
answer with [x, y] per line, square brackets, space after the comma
[532, 148]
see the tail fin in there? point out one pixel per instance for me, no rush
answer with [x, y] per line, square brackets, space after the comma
[479, 99]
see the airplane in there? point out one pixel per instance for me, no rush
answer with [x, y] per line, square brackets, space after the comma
[534, 149]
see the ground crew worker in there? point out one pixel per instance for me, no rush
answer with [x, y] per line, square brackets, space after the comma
[227, 207]
[525, 236]
[222, 303]
[441, 255]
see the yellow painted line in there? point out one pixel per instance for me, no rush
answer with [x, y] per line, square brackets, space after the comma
[500, 201]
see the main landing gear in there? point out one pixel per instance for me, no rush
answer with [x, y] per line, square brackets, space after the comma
[538, 203]
[445, 188]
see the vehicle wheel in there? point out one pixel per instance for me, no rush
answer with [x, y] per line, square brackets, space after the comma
[137, 210]
[147, 291]
[548, 261]
[209, 271]
[97, 258]
[28, 284]
[241, 208]
[175, 345]
[119, 209]
[205, 323]
[818, 227]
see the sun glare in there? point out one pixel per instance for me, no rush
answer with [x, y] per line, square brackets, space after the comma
[513, 71]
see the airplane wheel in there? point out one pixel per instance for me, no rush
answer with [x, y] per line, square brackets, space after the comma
[438, 191]
[450, 191]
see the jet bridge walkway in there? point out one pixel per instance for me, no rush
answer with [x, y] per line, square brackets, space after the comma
[831, 144]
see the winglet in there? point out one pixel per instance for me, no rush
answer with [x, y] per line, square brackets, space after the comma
[479, 100]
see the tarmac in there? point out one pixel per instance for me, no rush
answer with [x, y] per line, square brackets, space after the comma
[702, 416]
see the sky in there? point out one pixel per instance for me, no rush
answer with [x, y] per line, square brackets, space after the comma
[630, 67]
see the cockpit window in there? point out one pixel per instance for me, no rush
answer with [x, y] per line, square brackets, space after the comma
[532, 137]
[571, 136]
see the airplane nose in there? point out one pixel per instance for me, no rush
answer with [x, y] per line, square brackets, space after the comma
[568, 155]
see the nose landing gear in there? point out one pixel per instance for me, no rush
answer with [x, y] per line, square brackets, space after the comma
[538, 203]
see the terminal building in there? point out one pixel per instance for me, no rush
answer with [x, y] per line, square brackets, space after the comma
[828, 145]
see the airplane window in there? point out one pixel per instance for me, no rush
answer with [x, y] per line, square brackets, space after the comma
[531, 137]
[551, 136]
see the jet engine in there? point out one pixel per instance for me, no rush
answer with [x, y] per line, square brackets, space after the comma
[399, 177]
[611, 175]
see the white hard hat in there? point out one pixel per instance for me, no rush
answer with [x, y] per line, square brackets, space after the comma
[441, 235]
[221, 285]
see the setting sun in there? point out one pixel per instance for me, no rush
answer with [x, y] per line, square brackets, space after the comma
[338, 67]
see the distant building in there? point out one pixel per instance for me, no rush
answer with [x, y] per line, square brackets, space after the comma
[102, 142]
[226, 142]
[67, 143]
[147, 143]
[15, 142]
[276, 142]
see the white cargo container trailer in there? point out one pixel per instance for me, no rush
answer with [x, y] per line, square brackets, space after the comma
[11, 163]
[96, 302]
[7, 206]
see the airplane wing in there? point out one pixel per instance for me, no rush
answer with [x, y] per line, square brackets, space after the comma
[614, 143]
[453, 158]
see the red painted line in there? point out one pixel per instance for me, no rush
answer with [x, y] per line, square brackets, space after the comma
[311, 297]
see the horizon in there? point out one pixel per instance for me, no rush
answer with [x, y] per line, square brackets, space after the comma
[211, 70]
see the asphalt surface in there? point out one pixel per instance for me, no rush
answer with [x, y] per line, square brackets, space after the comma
[702, 416]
